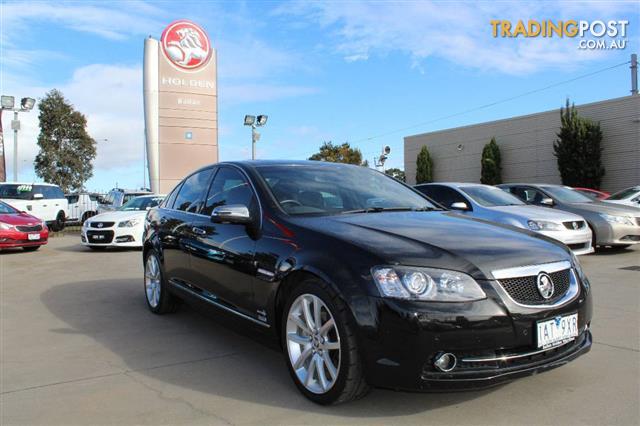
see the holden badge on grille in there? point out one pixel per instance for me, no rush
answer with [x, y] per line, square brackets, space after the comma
[545, 285]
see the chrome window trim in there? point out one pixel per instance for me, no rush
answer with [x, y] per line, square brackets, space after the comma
[529, 270]
[217, 167]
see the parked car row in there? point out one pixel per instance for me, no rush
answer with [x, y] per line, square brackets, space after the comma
[365, 281]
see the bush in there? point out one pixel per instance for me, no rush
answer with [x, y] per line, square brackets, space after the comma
[424, 167]
[491, 170]
[578, 150]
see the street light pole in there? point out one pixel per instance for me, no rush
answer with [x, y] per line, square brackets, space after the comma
[15, 125]
[254, 122]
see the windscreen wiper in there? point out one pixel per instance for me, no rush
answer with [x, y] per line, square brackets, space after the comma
[390, 209]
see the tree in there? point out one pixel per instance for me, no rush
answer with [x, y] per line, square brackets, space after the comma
[424, 167]
[397, 174]
[491, 170]
[339, 154]
[578, 150]
[66, 149]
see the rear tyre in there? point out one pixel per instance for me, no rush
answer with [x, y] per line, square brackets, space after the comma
[320, 346]
[58, 224]
[32, 248]
[86, 216]
[159, 299]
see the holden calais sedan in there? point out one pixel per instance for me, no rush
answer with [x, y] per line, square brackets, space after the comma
[122, 227]
[493, 204]
[363, 280]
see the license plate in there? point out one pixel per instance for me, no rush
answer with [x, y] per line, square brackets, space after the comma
[97, 237]
[557, 331]
[33, 237]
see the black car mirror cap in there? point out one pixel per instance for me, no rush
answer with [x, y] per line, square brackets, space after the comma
[547, 202]
[459, 206]
[233, 213]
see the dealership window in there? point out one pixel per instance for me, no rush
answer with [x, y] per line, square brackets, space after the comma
[228, 187]
[190, 197]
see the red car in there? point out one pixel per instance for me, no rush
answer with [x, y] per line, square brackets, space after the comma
[19, 229]
[593, 193]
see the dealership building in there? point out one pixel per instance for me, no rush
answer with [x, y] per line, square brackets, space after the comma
[526, 146]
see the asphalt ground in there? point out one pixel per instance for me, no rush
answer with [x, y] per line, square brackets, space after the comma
[78, 346]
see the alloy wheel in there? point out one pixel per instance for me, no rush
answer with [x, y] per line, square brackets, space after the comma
[313, 343]
[152, 280]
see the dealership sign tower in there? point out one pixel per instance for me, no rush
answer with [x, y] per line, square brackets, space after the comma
[180, 103]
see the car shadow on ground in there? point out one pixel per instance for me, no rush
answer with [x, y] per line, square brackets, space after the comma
[216, 356]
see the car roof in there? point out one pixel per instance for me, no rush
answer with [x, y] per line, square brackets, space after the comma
[28, 183]
[454, 184]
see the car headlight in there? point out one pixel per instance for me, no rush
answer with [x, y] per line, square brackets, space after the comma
[128, 223]
[621, 220]
[543, 225]
[427, 284]
[578, 268]
[6, 226]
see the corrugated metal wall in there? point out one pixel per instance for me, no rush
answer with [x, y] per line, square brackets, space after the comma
[526, 145]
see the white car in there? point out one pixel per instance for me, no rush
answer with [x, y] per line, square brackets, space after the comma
[628, 197]
[123, 227]
[42, 200]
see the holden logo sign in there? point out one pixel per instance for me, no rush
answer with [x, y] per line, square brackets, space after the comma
[186, 45]
[545, 285]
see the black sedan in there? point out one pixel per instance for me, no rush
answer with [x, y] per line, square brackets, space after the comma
[363, 280]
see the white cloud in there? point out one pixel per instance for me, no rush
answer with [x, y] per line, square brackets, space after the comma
[456, 31]
[108, 95]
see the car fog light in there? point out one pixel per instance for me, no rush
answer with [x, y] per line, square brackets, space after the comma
[445, 362]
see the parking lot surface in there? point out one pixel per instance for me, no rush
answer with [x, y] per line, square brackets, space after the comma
[78, 346]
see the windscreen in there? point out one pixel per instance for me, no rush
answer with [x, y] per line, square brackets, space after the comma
[625, 193]
[16, 191]
[7, 209]
[336, 188]
[567, 195]
[141, 203]
[489, 196]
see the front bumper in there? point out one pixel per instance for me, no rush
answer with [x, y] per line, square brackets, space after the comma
[609, 234]
[401, 339]
[12, 239]
[579, 241]
[112, 237]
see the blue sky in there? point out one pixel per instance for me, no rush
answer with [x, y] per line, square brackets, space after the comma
[339, 71]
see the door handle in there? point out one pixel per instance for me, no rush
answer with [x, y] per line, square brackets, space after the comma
[198, 231]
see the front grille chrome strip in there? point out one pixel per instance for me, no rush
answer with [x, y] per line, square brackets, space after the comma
[529, 270]
[513, 356]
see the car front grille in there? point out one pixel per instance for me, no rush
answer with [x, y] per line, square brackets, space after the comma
[574, 224]
[31, 228]
[100, 237]
[525, 289]
[101, 224]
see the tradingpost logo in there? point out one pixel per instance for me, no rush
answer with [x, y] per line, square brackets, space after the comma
[592, 35]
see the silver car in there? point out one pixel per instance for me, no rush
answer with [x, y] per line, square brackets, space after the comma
[612, 225]
[491, 203]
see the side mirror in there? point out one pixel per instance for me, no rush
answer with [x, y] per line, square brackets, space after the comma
[459, 206]
[37, 196]
[233, 213]
[547, 202]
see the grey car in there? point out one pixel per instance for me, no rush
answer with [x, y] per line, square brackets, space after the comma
[612, 225]
[492, 204]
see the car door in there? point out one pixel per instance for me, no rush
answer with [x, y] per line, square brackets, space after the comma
[41, 207]
[175, 221]
[223, 254]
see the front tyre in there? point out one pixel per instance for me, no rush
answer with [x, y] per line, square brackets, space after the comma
[320, 345]
[159, 300]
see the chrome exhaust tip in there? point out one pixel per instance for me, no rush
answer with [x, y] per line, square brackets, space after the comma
[445, 362]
